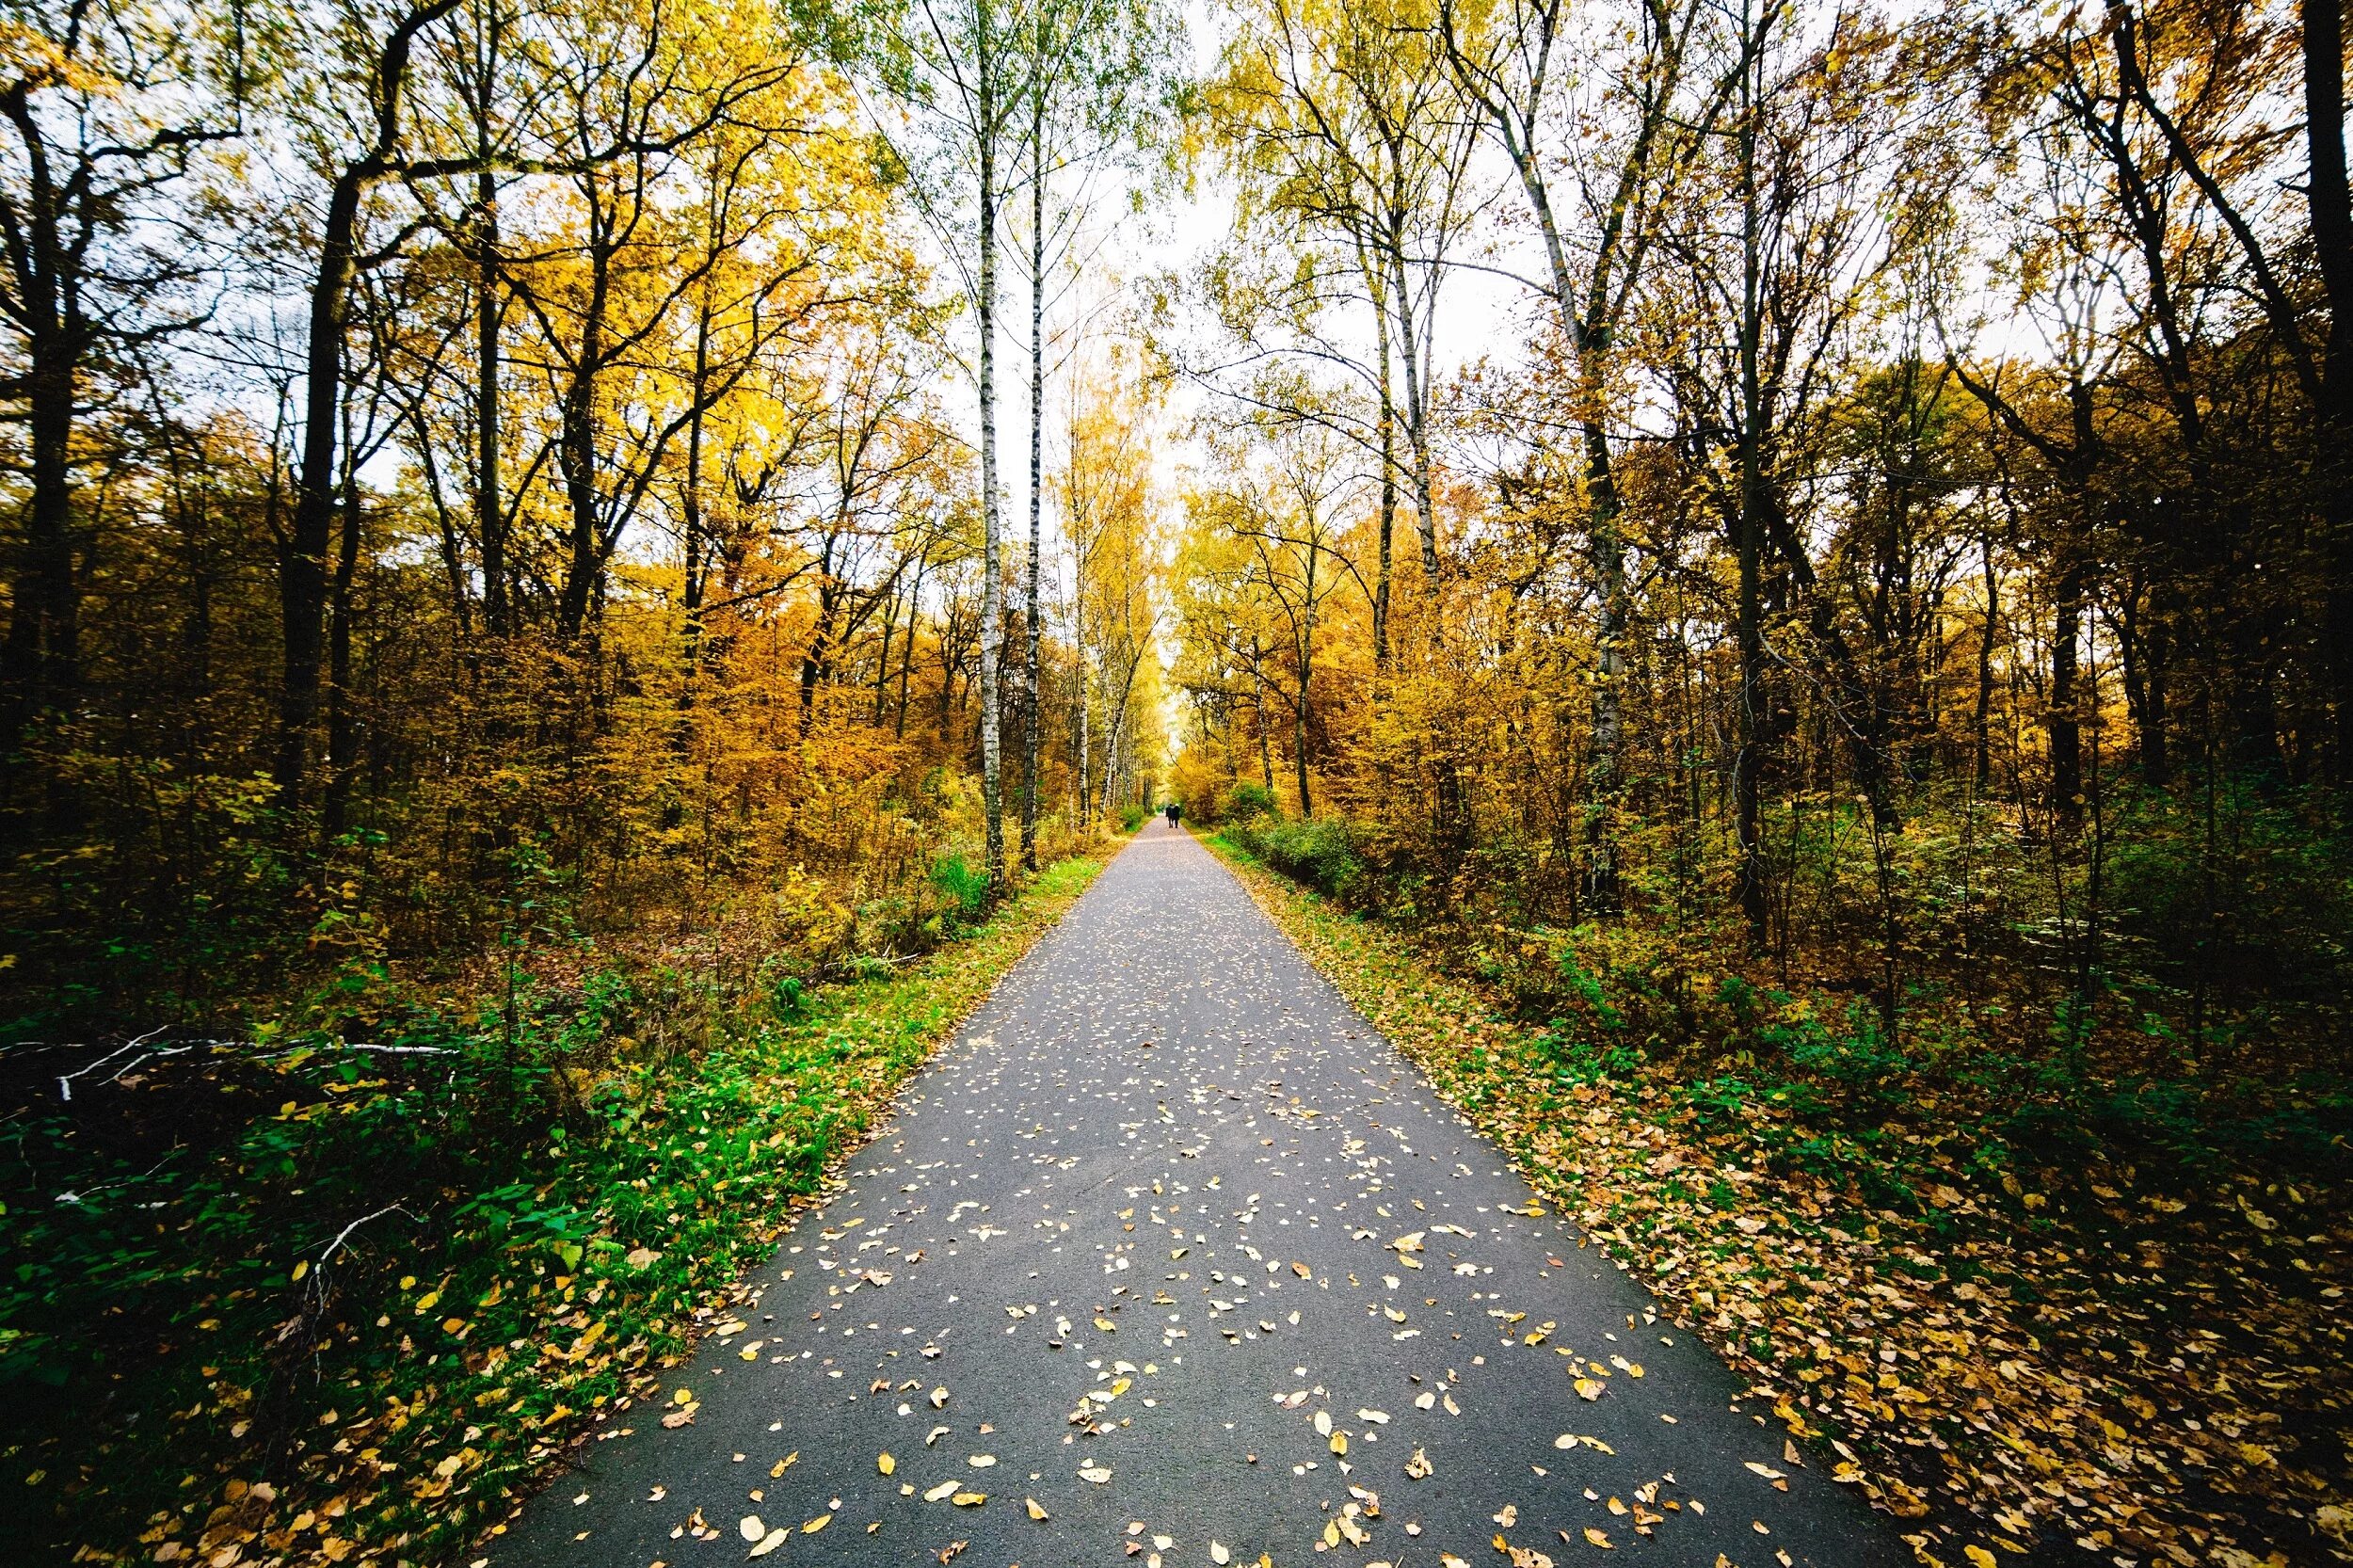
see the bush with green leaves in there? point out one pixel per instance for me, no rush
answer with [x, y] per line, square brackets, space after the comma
[1318, 851]
[966, 885]
[1244, 801]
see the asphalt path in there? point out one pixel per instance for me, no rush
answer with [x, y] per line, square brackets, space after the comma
[1169, 1257]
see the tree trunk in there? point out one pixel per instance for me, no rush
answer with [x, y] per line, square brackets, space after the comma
[489, 512]
[1984, 717]
[1602, 893]
[817, 658]
[1306, 679]
[1038, 452]
[1416, 433]
[303, 570]
[2332, 208]
[1757, 726]
[43, 658]
[907, 653]
[1086, 813]
[1389, 503]
[2063, 724]
[584, 566]
[694, 544]
[1266, 747]
[343, 739]
[882, 662]
[992, 525]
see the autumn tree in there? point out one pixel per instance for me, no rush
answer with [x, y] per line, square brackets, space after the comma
[110, 110]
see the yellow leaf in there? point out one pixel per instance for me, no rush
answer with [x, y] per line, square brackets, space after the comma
[817, 1524]
[886, 1464]
[1036, 1511]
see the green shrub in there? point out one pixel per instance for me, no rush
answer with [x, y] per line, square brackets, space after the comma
[965, 886]
[2251, 901]
[1580, 1061]
[786, 997]
[1245, 801]
[1318, 851]
[1859, 1057]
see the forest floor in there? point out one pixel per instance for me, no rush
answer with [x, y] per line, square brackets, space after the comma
[1170, 1256]
[209, 1362]
[2150, 1363]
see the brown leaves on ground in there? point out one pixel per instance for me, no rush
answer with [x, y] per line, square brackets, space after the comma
[425, 1468]
[2139, 1373]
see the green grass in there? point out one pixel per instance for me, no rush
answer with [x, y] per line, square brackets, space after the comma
[548, 1199]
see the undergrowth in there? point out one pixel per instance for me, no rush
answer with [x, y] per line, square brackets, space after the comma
[2020, 1298]
[294, 1299]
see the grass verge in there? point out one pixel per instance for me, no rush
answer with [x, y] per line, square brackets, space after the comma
[2150, 1364]
[399, 1279]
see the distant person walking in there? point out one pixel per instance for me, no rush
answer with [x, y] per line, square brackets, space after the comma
[1176, 813]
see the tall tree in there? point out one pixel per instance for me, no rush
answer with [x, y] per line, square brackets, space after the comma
[1100, 79]
[107, 106]
[1626, 147]
[966, 69]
